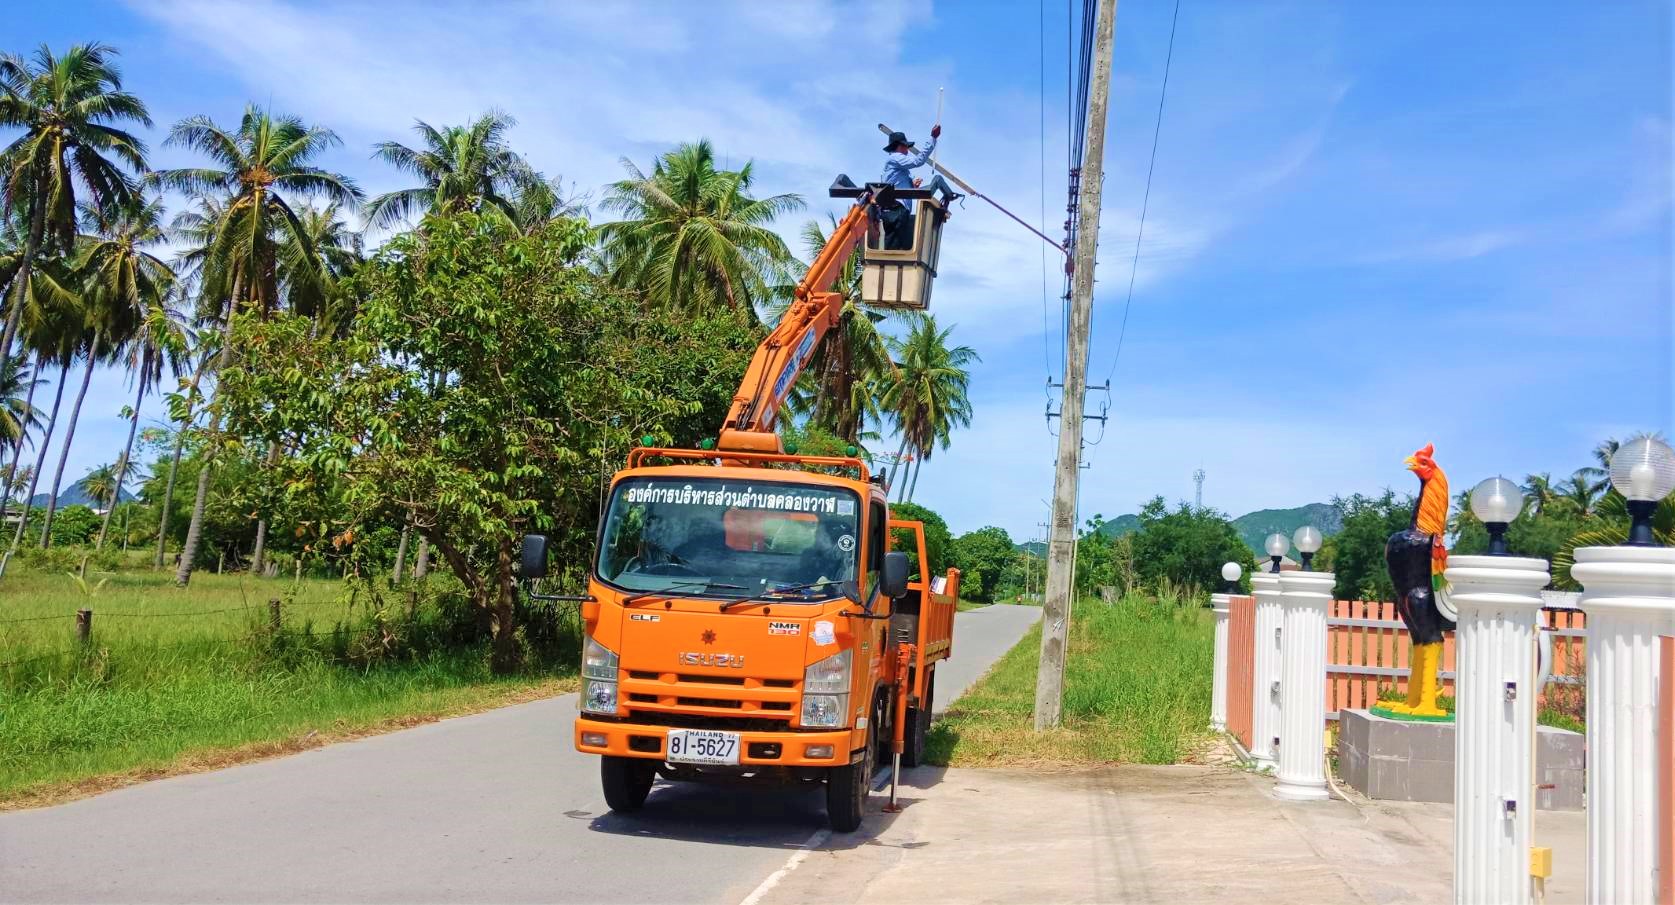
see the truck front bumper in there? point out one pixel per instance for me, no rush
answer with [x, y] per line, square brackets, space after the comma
[778, 749]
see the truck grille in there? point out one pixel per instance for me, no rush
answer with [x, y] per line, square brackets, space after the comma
[709, 701]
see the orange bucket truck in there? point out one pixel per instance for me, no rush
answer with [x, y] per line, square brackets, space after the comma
[745, 614]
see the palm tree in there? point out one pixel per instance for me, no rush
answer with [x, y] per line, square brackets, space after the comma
[692, 236]
[17, 418]
[928, 395]
[467, 167]
[1581, 492]
[96, 344]
[541, 200]
[255, 168]
[70, 108]
[1539, 489]
[101, 483]
[311, 271]
[162, 339]
[841, 385]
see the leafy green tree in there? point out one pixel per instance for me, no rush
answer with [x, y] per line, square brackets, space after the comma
[1186, 546]
[938, 539]
[1357, 551]
[692, 236]
[928, 394]
[983, 557]
[71, 108]
[547, 388]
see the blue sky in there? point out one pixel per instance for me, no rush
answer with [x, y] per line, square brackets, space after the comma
[1371, 226]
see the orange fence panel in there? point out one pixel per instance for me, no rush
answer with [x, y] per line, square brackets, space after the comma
[1241, 666]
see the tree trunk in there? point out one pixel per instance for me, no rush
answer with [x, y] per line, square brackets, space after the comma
[41, 457]
[257, 555]
[168, 497]
[917, 464]
[504, 659]
[69, 437]
[17, 451]
[122, 465]
[401, 553]
[894, 463]
[421, 564]
[195, 528]
[31, 246]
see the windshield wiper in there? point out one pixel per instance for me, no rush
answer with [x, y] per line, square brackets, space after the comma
[764, 598]
[701, 585]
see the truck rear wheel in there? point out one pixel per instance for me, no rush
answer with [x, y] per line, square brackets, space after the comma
[627, 782]
[847, 789]
[919, 724]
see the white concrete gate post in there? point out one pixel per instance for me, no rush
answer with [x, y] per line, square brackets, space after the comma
[1219, 603]
[1499, 603]
[1628, 594]
[1304, 597]
[1265, 704]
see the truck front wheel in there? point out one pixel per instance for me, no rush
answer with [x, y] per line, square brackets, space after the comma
[627, 781]
[847, 789]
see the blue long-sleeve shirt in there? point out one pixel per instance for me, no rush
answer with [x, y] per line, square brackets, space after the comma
[898, 168]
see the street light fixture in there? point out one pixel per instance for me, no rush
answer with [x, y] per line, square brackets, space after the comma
[1496, 502]
[1643, 471]
[1276, 546]
[1230, 573]
[1308, 540]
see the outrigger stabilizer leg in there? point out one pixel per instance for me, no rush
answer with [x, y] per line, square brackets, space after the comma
[898, 737]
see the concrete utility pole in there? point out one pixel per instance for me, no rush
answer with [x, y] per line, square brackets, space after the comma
[1061, 548]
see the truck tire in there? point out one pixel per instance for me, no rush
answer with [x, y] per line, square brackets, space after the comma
[919, 724]
[627, 782]
[847, 789]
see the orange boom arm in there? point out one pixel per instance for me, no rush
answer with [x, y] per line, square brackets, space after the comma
[786, 351]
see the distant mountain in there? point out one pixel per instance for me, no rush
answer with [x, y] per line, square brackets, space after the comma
[76, 495]
[1254, 527]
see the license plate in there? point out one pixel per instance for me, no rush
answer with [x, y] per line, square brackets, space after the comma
[703, 746]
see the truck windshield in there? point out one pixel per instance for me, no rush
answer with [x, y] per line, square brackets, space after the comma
[694, 536]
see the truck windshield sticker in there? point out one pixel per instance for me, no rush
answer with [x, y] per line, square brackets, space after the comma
[736, 498]
[846, 543]
[846, 507]
[824, 633]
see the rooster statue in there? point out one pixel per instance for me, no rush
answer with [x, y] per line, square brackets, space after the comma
[1416, 558]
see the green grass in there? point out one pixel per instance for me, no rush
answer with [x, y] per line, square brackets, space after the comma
[179, 679]
[1137, 690]
[1546, 715]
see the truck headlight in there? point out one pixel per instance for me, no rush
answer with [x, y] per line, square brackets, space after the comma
[599, 673]
[826, 691]
[825, 710]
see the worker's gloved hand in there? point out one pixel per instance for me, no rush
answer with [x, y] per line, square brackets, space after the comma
[936, 131]
[918, 182]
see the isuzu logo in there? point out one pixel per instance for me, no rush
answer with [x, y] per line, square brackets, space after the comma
[695, 658]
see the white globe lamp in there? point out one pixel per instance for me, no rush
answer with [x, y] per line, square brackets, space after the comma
[1276, 545]
[1307, 540]
[1643, 471]
[1496, 502]
[1230, 573]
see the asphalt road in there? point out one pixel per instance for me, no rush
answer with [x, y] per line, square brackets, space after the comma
[495, 807]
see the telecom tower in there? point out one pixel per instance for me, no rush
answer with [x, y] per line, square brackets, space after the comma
[1198, 478]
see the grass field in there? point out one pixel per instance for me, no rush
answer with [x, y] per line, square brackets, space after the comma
[1137, 690]
[176, 679]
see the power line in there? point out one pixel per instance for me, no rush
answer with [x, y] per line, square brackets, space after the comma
[1041, 107]
[1157, 129]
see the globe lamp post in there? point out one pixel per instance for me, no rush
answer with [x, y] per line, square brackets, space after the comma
[1276, 546]
[1230, 573]
[1643, 471]
[1307, 540]
[1496, 502]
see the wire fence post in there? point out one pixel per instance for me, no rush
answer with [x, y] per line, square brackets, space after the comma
[274, 614]
[84, 626]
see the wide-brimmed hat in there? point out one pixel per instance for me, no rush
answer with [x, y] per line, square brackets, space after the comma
[897, 138]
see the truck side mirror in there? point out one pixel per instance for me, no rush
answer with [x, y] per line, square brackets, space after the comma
[894, 580]
[533, 561]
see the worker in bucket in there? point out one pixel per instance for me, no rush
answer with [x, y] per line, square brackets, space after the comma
[902, 158]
